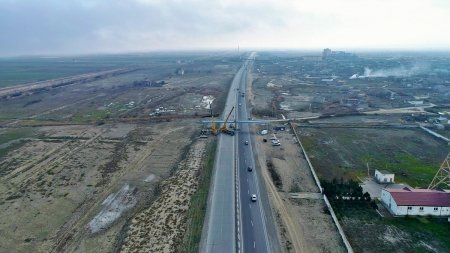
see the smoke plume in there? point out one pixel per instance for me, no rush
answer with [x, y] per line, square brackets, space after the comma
[393, 72]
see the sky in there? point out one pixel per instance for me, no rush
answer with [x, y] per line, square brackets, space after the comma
[55, 27]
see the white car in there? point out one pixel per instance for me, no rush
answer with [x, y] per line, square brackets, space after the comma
[253, 198]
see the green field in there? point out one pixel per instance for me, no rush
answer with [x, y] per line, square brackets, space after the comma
[20, 70]
[367, 231]
[13, 138]
[411, 154]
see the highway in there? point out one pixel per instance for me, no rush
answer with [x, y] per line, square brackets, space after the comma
[254, 231]
[234, 223]
[219, 230]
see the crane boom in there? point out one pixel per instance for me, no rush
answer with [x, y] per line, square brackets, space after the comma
[224, 126]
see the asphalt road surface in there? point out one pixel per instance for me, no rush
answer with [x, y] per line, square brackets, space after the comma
[219, 231]
[253, 218]
[233, 222]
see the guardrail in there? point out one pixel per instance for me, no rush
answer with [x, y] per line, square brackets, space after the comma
[327, 203]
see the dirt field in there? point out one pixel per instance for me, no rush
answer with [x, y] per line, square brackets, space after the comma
[303, 224]
[68, 180]
[160, 227]
[77, 162]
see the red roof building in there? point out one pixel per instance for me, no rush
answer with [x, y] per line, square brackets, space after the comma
[409, 201]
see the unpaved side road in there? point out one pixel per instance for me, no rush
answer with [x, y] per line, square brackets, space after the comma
[303, 224]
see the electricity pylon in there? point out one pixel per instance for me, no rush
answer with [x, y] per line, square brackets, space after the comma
[442, 176]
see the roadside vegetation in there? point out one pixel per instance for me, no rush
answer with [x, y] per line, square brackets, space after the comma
[196, 213]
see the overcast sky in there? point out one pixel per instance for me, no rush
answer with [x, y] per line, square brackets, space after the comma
[111, 26]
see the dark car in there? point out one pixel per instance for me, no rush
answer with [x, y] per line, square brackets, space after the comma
[249, 168]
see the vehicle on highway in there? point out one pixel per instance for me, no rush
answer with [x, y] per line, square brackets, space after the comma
[240, 104]
[253, 198]
[246, 142]
[249, 168]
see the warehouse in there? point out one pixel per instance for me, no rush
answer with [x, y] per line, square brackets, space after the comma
[408, 201]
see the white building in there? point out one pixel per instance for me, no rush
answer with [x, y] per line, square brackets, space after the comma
[383, 176]
[408, 201]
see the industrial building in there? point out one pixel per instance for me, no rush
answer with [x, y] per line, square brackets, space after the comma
[420, 202]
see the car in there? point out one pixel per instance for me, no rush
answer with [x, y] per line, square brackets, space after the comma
[249, 168]
[253, 198]
[246, 142]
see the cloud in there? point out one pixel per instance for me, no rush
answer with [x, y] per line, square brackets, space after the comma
[89, 26]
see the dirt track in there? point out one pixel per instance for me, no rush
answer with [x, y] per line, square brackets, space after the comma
[303, 224]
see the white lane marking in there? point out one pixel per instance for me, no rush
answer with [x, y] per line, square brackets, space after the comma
[250, 205]
[247, 180]
[251, 223]
[254, 244]
[248, 191]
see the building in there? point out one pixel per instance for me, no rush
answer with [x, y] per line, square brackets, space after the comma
[421, 202]
[326, 52]
[383, 176]
[337, 55]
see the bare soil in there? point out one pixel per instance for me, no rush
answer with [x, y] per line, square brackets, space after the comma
[303, 224]
[160, 227]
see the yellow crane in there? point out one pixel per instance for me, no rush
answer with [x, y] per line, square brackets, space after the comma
[224, 128]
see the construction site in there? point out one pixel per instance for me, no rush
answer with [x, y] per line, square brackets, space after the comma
[128, 156]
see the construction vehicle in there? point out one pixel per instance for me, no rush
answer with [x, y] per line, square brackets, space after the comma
[223, 128]
[213, 126]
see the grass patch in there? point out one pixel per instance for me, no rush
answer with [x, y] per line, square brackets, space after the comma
[11, 139]
[424, 227]
[409, 169]
[369, 232]
[94, 116]
[412, 155]
[196, 213]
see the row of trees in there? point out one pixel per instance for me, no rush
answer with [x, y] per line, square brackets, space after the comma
[344, 190]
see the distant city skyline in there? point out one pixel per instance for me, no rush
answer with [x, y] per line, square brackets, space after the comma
[51, 27]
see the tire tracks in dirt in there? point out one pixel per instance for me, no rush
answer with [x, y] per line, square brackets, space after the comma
[70, 235]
